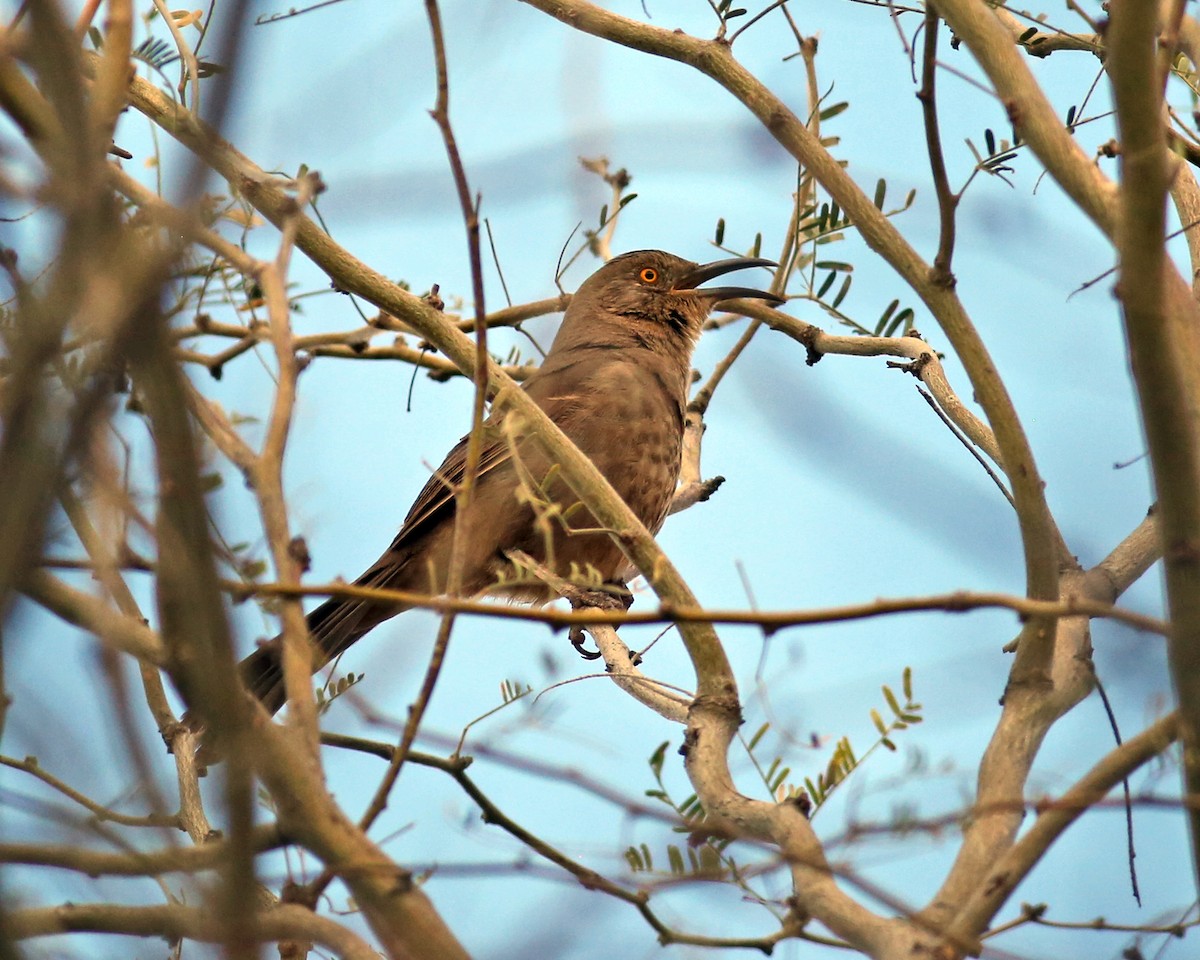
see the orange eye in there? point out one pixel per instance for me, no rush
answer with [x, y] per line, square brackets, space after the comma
[649, 274]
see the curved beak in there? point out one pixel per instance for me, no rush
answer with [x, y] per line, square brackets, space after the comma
[690, 281]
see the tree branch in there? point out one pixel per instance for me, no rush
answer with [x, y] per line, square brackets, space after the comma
[1054, 818]
[176, 921]
[1163, 326]
[151, 863]
[1072, 605]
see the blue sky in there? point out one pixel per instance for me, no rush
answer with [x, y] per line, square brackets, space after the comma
[841, 484]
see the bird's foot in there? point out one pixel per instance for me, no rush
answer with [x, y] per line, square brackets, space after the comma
[578, 639]
[611, 596]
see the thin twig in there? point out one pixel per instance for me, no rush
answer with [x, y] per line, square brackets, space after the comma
[189, 65]
[946, 198]
[970, 447]
[1131, 852]
[470, 213]
[957, 602]
[496, 260]
[590, 879]
[266, 468]
[754, 19]
[33, 768]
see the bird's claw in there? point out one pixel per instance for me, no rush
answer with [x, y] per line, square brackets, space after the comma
[578, 639]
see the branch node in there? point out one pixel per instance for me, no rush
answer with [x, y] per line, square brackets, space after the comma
[916, 367]
[812, 353]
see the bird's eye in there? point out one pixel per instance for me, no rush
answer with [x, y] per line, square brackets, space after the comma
[649, 275]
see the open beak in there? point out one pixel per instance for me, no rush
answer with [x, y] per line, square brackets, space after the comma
[690, 281]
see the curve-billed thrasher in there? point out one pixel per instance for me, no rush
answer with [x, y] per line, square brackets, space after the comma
[616, 382]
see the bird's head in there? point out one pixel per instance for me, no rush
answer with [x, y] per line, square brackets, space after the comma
[657, 290]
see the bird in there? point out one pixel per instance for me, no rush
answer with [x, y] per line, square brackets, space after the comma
[615, 380]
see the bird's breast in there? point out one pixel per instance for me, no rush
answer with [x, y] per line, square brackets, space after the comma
[632, 430]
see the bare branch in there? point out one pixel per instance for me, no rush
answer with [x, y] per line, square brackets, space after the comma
[957, 602]
[31, 766]
[95, 863]
[947, 199]
[1012, 868]
[1162, 323]
[83, 610]
[176, 921]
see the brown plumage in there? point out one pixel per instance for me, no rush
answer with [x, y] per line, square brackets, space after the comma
[616, 382]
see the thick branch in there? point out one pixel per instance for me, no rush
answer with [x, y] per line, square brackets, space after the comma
[175, 921]
[1163, 328]
[95, 863]
[94, 615]
[1055, 817]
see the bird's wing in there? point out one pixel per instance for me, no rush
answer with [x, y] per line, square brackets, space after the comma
[437, 498]
[436, 501]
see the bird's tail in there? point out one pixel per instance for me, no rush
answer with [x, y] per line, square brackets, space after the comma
[333, 627]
